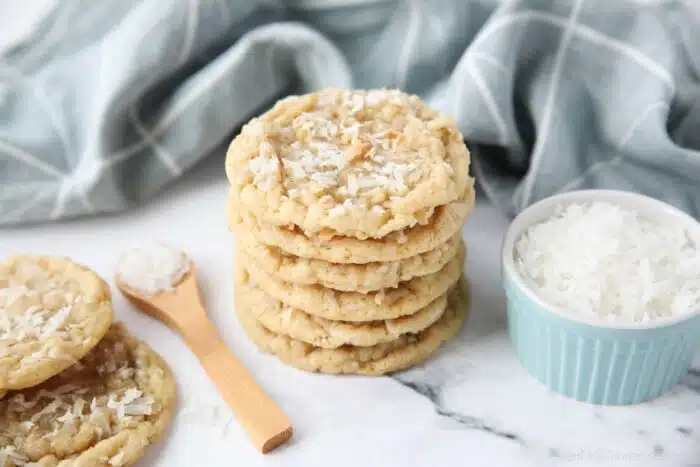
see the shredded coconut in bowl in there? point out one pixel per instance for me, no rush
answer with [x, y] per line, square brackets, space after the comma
[602, 260]
[152, 268]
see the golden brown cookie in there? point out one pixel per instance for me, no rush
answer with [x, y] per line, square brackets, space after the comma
[103, 411]
[406, 299]
[348, 277]
[380, 359]
[445, 223]
[53, 311]
[359, 163]
[320, 332]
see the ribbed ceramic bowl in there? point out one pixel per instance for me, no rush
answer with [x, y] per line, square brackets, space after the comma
[583, 358]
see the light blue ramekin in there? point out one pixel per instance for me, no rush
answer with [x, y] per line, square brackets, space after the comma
[589, 360]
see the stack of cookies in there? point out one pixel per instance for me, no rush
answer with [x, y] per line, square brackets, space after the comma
[347, 208]
[75, 387]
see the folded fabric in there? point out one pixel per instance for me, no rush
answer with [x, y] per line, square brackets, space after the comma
[111, 101]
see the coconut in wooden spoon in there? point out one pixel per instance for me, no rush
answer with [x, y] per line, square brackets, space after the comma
[161, 281]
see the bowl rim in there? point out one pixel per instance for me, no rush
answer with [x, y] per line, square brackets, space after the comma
[538, 211]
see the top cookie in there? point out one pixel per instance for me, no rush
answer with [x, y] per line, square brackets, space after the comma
[52, 312]
[356, 163]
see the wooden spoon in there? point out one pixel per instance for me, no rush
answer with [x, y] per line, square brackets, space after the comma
[182, 311]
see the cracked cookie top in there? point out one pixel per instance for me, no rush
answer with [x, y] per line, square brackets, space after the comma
[349, 162]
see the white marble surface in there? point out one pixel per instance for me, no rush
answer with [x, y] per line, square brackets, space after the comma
[471, 405]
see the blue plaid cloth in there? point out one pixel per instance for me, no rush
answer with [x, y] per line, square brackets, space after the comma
[112, 100]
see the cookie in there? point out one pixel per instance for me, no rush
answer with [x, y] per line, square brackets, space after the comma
[52, 313]
[105, 410]
[359, 163]
[406, 299]
[380, 359]
[362, 278]
[297, 324]
[445, 223]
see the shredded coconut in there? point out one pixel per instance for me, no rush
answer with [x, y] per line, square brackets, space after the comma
[11, 454]
[108, 402]
[116, 460]
[152, 268]
[36, 307]
[605, 261]
[265, 167]
[301, 161]
[330, 146]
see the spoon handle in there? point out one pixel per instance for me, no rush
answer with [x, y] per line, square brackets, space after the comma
[182, 310]
[262, 419]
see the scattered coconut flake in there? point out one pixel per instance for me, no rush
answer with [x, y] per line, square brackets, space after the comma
[132, 403]
[116, 405]
[608, 262]
[152, 268]
[55, 322]
[116, 460]
[131, 395]
[52, 407]
[67, 417]
[139, 409]
[78, 407]
[11, 454]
